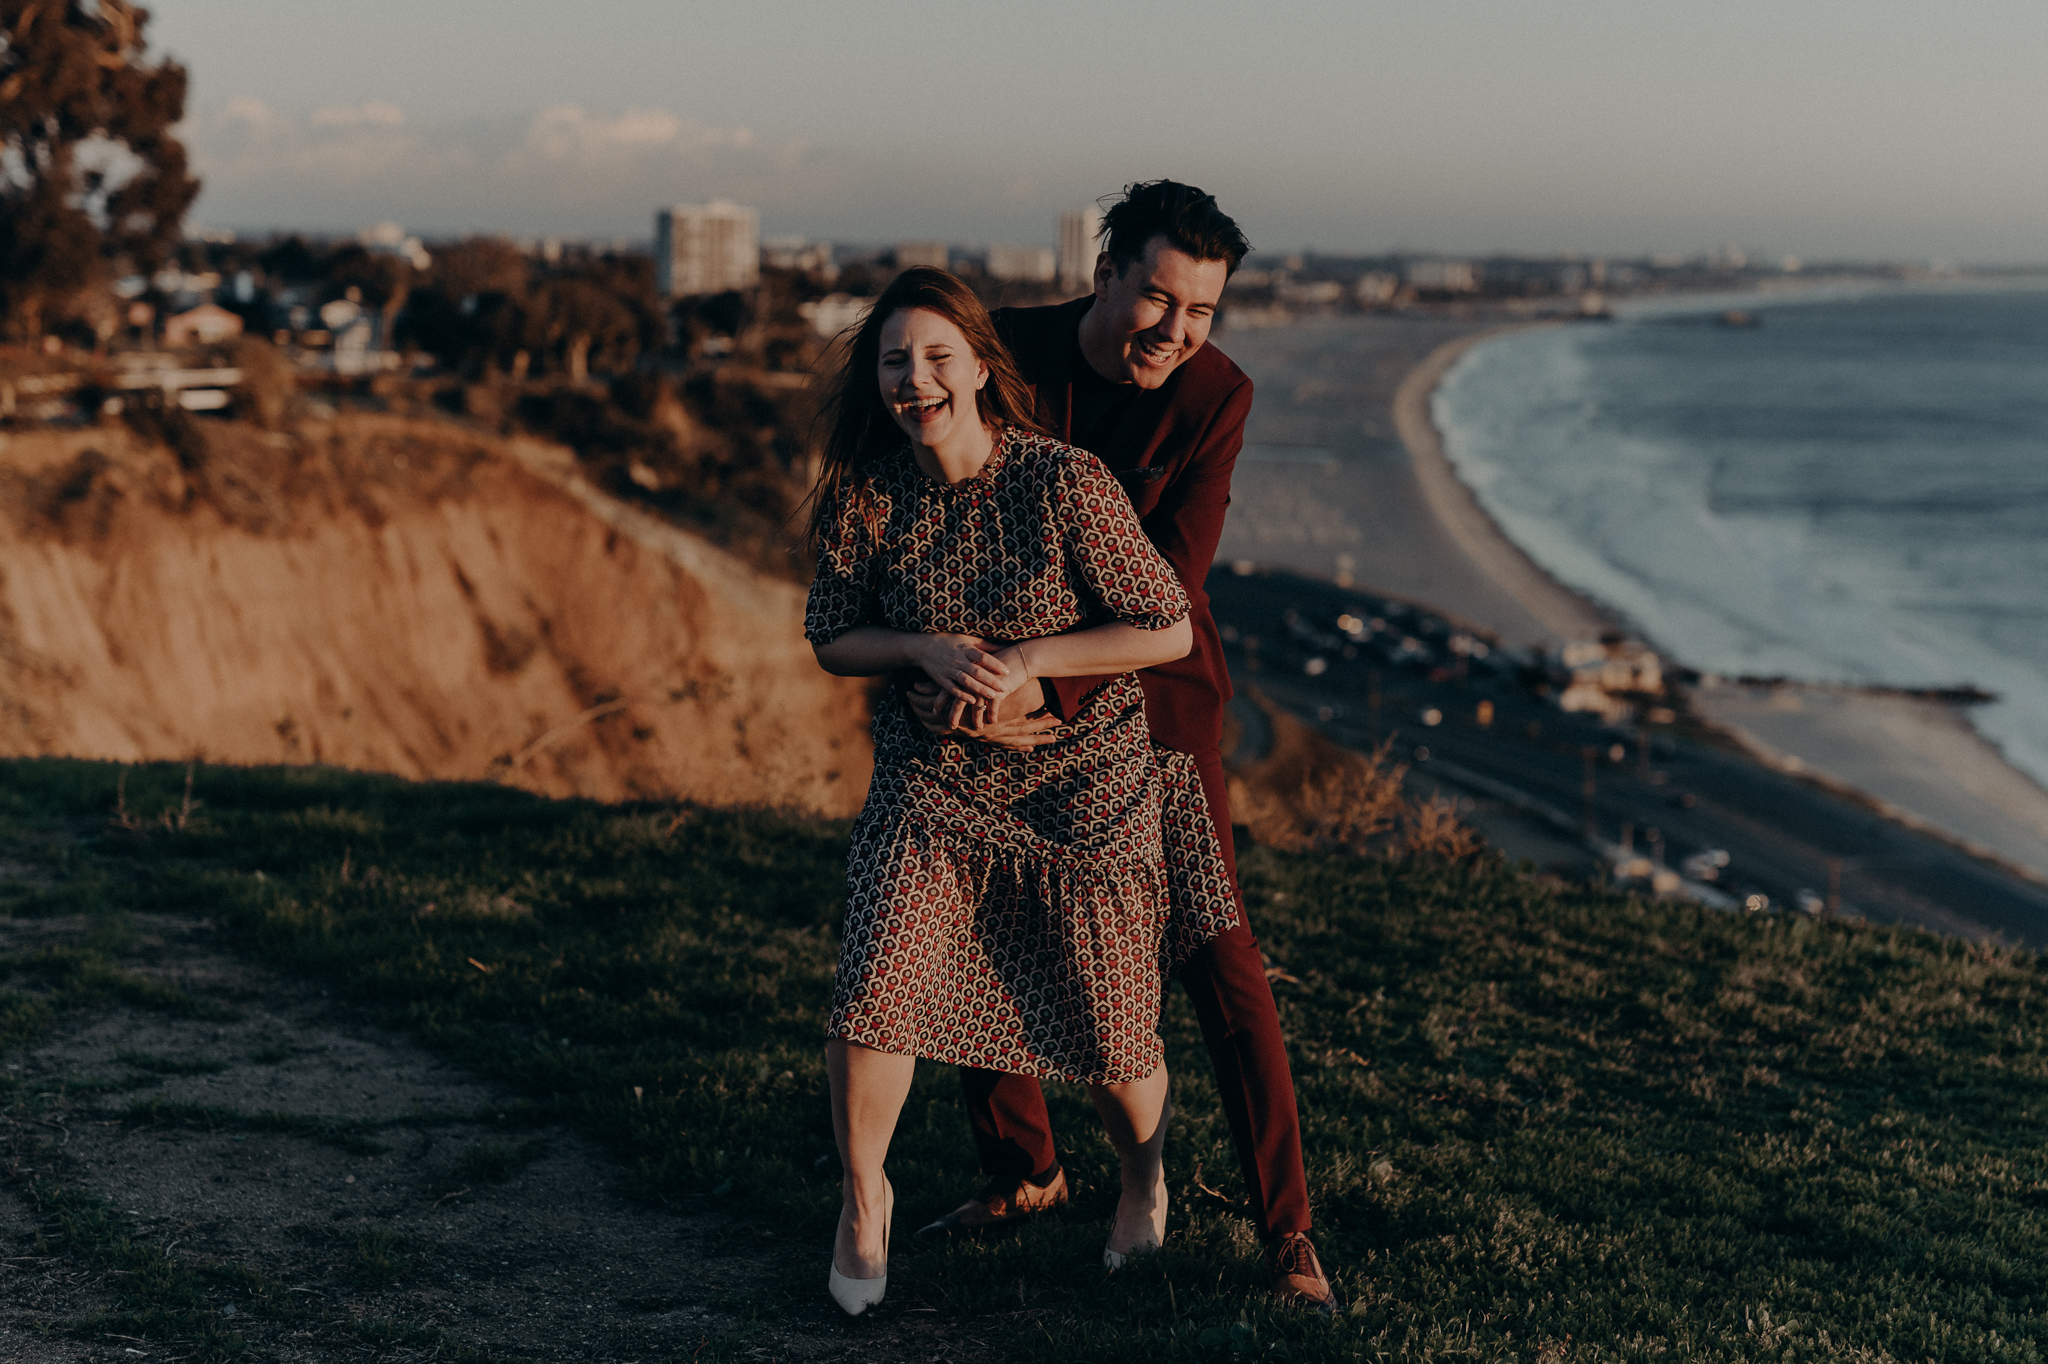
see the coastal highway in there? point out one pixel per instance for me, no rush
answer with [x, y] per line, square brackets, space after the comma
[1693, 789]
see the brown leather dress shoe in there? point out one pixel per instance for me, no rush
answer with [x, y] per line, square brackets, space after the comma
[1296, 1276]
[1001, 1205]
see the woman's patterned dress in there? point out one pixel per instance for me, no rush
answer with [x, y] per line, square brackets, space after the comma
[1015, 911]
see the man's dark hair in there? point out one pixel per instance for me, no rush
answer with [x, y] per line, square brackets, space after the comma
[1186, 217]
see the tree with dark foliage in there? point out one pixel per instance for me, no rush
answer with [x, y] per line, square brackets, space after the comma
[469, 310]
[570, 317]
[381, 281]
[90, 173]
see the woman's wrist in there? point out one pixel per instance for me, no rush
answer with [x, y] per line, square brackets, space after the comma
[924, 650]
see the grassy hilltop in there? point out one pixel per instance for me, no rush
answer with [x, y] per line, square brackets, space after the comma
[1541, 1122]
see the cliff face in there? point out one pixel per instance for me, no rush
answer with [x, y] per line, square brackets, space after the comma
[400, 596]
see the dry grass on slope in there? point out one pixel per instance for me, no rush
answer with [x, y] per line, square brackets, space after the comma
[1307, 794]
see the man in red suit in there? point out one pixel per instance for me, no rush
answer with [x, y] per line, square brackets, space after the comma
[1126, 374]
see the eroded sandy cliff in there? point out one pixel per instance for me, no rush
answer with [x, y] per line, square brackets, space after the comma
[402, 596]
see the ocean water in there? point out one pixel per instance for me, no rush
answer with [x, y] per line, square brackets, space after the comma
[1854, 491]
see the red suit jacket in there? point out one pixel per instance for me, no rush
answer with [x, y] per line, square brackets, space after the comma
[1173, 451]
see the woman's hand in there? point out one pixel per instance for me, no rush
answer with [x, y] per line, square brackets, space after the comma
[1020, 723]
[981, 711]
[966, 667]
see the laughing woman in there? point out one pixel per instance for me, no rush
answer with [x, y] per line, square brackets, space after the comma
[1007, 910]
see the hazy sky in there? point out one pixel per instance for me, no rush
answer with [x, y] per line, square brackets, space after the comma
[1820, 127]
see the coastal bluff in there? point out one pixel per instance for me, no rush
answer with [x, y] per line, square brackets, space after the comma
[405, 596]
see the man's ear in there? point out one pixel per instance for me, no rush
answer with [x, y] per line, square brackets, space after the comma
[1105, 271]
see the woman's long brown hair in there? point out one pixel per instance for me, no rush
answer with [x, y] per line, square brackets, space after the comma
[862, 430]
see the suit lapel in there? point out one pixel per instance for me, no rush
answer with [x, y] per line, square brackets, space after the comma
[1055, 381]
[1142, 427]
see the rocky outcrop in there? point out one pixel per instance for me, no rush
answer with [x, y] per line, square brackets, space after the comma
[402, 596]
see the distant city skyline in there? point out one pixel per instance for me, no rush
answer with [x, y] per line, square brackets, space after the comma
[1602, 127]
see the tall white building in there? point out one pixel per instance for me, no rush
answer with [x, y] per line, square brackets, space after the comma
[1078, 247]
[706, 248]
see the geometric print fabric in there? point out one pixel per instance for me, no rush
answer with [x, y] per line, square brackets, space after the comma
[1015, 911]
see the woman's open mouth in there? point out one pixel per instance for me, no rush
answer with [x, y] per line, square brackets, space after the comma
[923, 410]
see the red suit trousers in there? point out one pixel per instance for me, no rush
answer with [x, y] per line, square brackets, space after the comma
[1226, 983]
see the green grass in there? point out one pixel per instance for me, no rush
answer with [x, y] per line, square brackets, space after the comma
[1540, 1122]
[198, 1303]
[378, 1258]
[157, 1292]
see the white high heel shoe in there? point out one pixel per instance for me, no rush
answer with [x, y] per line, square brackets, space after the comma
[856, 1296]
[1113, 1260]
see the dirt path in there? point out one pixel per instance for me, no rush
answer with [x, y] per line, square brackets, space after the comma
[335, 1191]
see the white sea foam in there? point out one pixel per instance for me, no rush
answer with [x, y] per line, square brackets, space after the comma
[1808, 500]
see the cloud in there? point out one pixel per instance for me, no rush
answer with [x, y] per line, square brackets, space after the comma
[370, 113]
[564, 167]
[569, 132]
[244, 145]
[576, 170]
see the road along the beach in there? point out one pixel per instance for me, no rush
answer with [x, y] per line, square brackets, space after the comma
[1668, 791]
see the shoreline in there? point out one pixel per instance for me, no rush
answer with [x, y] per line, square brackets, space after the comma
[1915, 759]
[1931, 756]
[1566, 613]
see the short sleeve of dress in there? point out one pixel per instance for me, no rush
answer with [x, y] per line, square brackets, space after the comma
[1115, 559]
[842, 595]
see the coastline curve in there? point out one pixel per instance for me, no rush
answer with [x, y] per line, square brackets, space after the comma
[1565, 613]
[1919, 762]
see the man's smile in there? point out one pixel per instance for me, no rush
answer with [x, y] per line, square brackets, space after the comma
[1164, 354]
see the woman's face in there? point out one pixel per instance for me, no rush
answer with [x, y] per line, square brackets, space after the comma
[929, 376]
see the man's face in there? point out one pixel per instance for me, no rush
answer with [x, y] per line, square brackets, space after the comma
[1151, 318]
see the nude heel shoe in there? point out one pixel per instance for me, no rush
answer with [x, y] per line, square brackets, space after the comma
[856, 1296]
[1113, 1260]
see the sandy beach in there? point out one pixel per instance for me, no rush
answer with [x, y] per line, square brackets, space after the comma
[1917, 759]
[1344, 477]
[1326, 486]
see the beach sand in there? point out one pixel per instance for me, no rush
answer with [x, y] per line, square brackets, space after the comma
[1326, 485]
[1916, 758]
[1344, 476]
